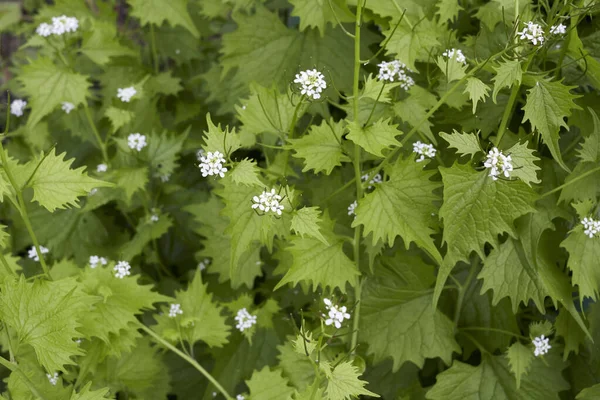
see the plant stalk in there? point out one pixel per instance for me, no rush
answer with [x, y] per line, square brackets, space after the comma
[96, 133]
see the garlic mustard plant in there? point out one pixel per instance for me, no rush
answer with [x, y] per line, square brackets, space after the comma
[456, 55]
[122, 269]
[17, 107]
[244, 320]
[352, 208]
[335, 315]
[541, 345]
[101, 168]
[136, 141]
[498, 164]
[268, 202]
[533, 33]
[33, 254]
[126, 94]
[175, 310]
[591, 226]
[312, 83]
[212, 163]
[52, 378]
[67, 107]
[97, 260]
[559, 29]
[423, 150]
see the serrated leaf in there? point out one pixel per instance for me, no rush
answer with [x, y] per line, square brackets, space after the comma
[321, 148]
[48, 86]
[519, 358]
[305, 221]
[157, 11]
[266, 110]
[164, 83]
[375, 138]
[146, 231]
[590, 393]
[477, 90]
[246, 173]
[100, 43]
[548, 104]
[584, 253]
[217, 139]
[581, 184]
[269, 385]
[568, 328]
[118, 117]
[414, 108]
[464, 143]
[131, 180]
[508, 73]
[397, 319]
[87, 394]
[163, 151]
[401, 206]
[377, 90]
[451, 68]
[523, 162]
[56, 185]
[413, 44]
[590, 148]
[448, 10]
[318, 13]
[343, 382]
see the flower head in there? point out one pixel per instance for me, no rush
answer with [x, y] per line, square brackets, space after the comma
[126, 94]
[244, 319]
[376, 179]
[101, 168]
[352, 208]
[532, 32]
[203, 264]
[240, 397]
[211, 164]
[559, 29]
[312, 83]
[122, 269]
[44, 29]
[154, 218]
[423, 150]
[67, 107]
[17, 107]
[33, 254]
[64, 24]
[175, 310]
[395, 71]
[268, 202]
[53, 379]
[498, 164]
[335, 315]
[455, 54]
[136, 141]
[541, 345]
[592, 227]
[96, 260]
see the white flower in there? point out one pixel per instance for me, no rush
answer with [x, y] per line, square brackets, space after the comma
[203, 264]
[244, 319]
[455, 54]
[532, 32]
[424, 150]
[212, 164]
[268, 202]
[541, 345]
[175, 310]
[101, 168]
[498, 164]
[559, 29]
[122, 269]
[393, 71]
[199, 154]
[376, 179]
[96, 260]
[32, 253]
[64, 24]
[126, 94]
[67, 107]
[336, 314]
[312, 83]
[17, 107]
[136, 141]
[93, 192]
[352, 207]
[53, 379]
[154, 218]
[240, 397]
[44, 29]
[592, 227]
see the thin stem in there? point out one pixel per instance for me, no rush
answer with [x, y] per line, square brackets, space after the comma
[6, 266]
[187, 358]
[338, 21]
[291, 133]
[486, 329]
[462, 291]
[475, 342]
[580, 177]
[153, 45]
[96, 133]
[9, 343]
[375, 104]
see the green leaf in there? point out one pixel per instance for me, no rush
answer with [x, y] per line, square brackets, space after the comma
[584, 253]
[100, 43]
[508, 73]
[548, 104]
[397, 319]
[87, 394]
[146, 231]
[56, 185]
[46, 315]
[464, 143]
[523, 162]
[452, 69]
[414, 108]
[568, 327]
[477, 90]
[201, 319]
[163, 151]
[157, 11]
[48, 86]
[131, 180]
[10, 14]
[164, 83]
[266, 110]
[519, 358]
[306, 221]
[217, 139]
[374, 89]
[590, 148]
[413, 44]
[375, 138]
[321, 12]
[343, 382]
[448, 10]
[321, 148]
[401, 206]
[246, 173]
[590, 393]
[118, 117]
[269, 385]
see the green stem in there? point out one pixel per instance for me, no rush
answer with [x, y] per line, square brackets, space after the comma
[9, 343]
[291, 133]
[153, 45]
[187, 358]
[375, 104]
[580, 177]
[486, 329]
[13, 367]
[96, 133]
[6, 266]
[462, 291]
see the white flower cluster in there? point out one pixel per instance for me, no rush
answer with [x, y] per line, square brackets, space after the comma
[336, 314]
[125, 94]
[498, 164]
[211, 164]
[376, 179]
[53, 379]
[393, 71]
[101, 168]
[541, 345]
[455, 54]
[532, 32]
[154, 218]
[352, 208]
[244, 319]
[136, 141]
[559, 29]
[60, 26]
[122, 269]
[240, 397]
[95, 261]
[203, 264]
[592, 227]
[175, 310]
[312, 83]
[424, 150]
[67, 107]
[268, 202]
[32, 253]
[17, 107]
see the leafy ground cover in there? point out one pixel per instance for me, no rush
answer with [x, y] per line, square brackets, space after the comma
[302, 199]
